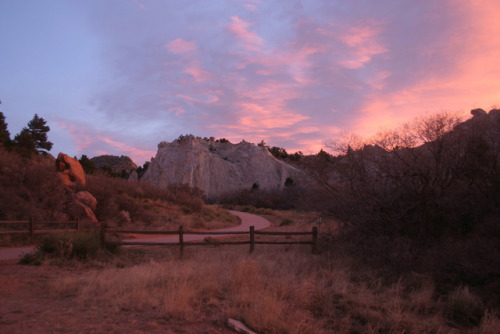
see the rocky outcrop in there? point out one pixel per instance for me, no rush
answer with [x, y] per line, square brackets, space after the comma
[217, 167]
[86, 198]
[70, 171]
[81, 203]
[117, 164]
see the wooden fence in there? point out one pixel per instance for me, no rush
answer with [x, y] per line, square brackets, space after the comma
[31, 226]
[181, 233]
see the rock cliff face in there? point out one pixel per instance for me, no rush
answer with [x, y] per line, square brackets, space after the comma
[217, 167]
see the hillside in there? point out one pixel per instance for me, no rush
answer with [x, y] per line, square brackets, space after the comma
[116, 164]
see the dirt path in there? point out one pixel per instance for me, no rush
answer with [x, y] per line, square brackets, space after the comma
[14, 253]
[247, 220]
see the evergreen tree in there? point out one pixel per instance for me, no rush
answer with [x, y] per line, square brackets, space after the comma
[4, 133]
[87, 165]
[24, 143]
[38, 129]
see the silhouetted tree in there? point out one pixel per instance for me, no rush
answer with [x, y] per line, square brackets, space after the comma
[24, 143]
[278, 152]
[4, 133]
[87, 165]
[38, 130]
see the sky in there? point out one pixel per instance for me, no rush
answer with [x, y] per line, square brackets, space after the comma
[120, 76]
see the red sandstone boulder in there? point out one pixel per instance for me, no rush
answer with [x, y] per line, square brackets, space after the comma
[87, 199]
[70, 171]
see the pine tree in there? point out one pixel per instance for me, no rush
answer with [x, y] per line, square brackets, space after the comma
[87, 164]
[38, 129]
[4, 133]
[24, 143]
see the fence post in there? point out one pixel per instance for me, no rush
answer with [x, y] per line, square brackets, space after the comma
[252, 239]
[103, 235]
[181, 240]
[31, 227]
[315, 240]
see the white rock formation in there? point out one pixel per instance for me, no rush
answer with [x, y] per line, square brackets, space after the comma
[215, 167]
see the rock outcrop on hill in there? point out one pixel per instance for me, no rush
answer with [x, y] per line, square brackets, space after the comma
[70, 171]
[80, 203]
[117, 164]
[217, 167]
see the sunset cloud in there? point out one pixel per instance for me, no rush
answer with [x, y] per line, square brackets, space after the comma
[240, 29]
[294, 74]
[180, 46]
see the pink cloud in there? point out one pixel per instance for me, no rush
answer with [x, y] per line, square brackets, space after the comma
[92, 142]
[240, 28]
[195, 69]
[469, 85]
[177, 110]
[206, 98]
[361, 42]
[136, 153]
[251, 7]
[180, 46]
[82, 138]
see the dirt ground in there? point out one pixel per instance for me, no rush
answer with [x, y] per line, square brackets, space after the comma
[27, 307]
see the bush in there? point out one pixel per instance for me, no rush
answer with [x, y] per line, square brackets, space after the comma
[286, 222]
[465, 308]
[34, 258]
[83, 245]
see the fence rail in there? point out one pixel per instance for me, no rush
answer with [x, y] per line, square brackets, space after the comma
[181, 233]
[31, 227]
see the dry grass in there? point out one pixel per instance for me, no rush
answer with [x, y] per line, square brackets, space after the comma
[275, 290]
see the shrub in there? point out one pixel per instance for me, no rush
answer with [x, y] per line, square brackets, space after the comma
[286, 222]
[465, 308]
[34, 258]
[83, 245]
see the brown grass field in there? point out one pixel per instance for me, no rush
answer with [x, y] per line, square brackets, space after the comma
[276, 289]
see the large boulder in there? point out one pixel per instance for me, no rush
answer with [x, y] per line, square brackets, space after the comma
[81, 210]
[70, 171]
[87, 199]
[217, 167]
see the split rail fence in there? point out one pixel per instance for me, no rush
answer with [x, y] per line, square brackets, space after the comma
[181, 243]
[31, 226]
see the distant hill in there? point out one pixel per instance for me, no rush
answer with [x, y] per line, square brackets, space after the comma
[116, 164]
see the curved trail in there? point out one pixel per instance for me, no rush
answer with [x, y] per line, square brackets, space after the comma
[247, 220]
